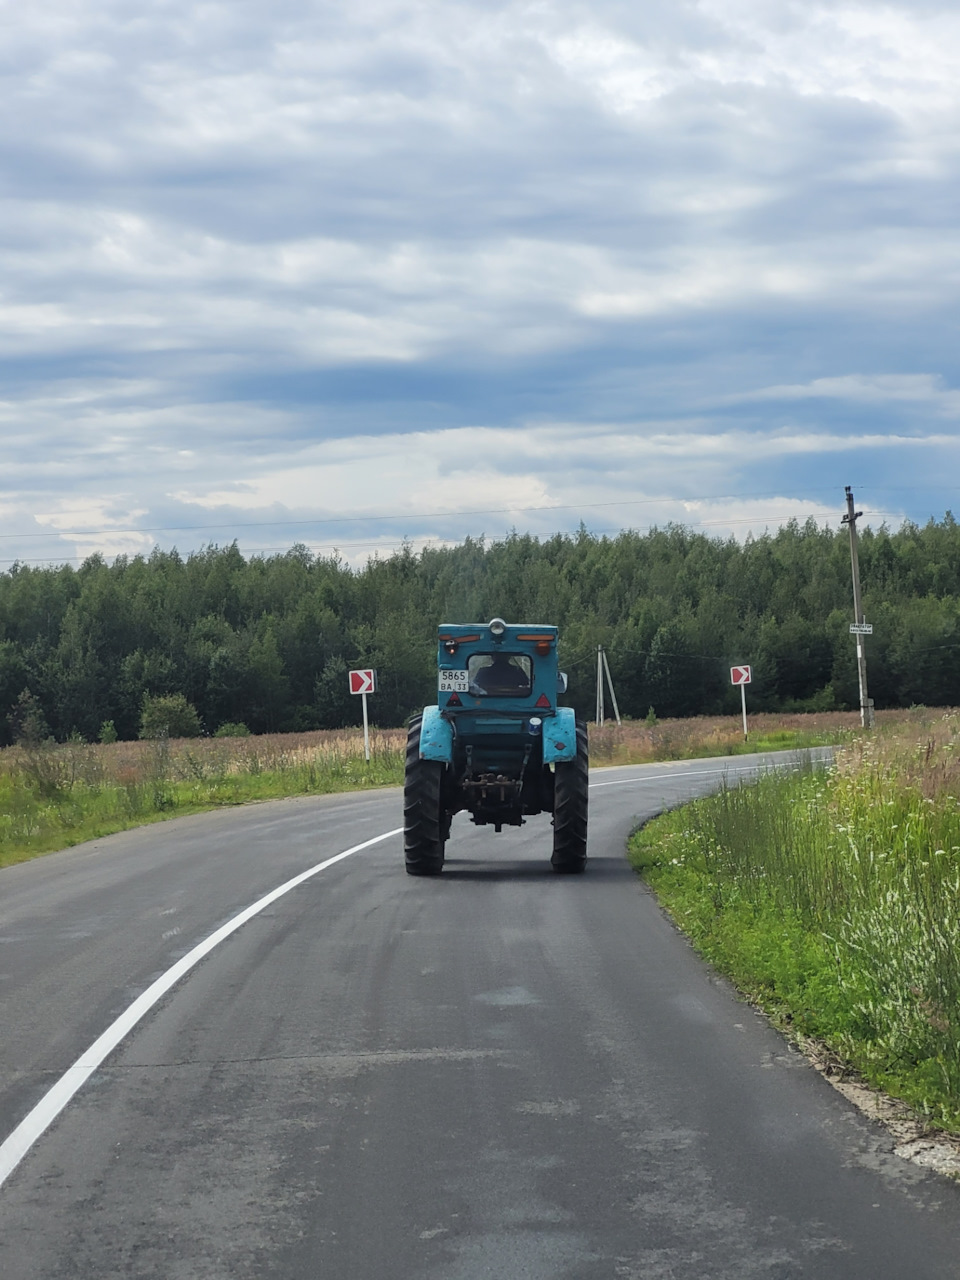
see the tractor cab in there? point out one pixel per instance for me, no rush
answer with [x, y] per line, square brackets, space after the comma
[499, 668]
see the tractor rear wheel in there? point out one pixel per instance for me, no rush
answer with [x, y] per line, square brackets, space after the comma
[571, 791]
[424, 828]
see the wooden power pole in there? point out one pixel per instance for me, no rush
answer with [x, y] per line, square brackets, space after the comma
[860, 626]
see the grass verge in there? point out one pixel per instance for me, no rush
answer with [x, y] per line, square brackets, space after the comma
[54, 796]
[832, 899]
[641, 742]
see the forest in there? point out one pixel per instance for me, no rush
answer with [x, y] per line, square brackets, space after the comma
[267, 641]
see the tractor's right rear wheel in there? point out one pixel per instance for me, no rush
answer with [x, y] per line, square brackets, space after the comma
[571, 783]
[423, 817]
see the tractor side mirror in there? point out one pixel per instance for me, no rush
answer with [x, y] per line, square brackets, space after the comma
[561, 682]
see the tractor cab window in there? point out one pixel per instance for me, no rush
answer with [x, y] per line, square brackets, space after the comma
[500, 675]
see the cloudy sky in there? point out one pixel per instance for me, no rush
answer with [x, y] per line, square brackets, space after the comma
[351, 273]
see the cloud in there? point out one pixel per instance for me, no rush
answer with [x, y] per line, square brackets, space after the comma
[891, 55]
[542, 478]
[296, 260]
[917, 388]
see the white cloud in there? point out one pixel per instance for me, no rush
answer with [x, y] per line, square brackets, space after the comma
[756, 516]
[518, 471]
[109, 522]
[924, 389]
[300, 259]
[890, 55]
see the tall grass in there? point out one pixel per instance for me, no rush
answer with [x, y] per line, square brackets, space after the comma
[637, 741]
[52, 795]
[833, 896]
[55, 795]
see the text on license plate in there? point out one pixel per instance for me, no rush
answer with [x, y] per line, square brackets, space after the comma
[454, 682]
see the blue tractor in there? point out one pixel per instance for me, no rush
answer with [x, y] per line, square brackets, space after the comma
[496, 745]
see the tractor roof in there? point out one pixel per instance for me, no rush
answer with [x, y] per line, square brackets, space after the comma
[496, 632]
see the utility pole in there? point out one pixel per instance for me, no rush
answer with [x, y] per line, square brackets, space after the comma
[613, 696]
[603, 668]
[866, 704]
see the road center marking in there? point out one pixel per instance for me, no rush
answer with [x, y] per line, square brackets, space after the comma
[55, 1099]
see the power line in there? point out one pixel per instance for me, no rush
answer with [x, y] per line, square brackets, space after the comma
[427, 515]
[738, 520]
[359, 519]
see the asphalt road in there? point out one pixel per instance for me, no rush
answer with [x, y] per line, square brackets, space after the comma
[499, 1073]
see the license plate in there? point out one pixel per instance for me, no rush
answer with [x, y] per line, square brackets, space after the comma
[454, 682]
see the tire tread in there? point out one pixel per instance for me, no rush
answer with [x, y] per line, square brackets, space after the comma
[571, 796]
[422, 811]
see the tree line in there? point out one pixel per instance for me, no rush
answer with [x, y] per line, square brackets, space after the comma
[267, 641]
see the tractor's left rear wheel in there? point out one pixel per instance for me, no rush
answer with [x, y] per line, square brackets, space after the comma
[424, 824]
[571, 795]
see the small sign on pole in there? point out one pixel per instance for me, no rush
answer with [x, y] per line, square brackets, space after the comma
[363, 682]
[742, 676]
[861, 628]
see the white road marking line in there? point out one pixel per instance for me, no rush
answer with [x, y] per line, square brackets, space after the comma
[704, 773]
[55, 1099]
[684, 773]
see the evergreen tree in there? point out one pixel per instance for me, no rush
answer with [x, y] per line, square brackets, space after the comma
[267, 641]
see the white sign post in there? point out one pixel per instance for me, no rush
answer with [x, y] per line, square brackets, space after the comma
[364, 682]
[742, 676]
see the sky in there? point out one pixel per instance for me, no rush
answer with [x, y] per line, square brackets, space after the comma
[353, 274]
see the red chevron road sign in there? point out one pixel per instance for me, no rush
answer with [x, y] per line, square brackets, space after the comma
[363, 681]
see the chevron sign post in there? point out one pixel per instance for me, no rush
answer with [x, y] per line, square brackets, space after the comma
[364, 682]
[742, 676]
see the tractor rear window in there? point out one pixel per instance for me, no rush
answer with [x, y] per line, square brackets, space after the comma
[500, 675]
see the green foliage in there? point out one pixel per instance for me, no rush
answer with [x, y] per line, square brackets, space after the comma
[41, 766]
[232, 729]
[169, 716]
[833, 898]
[336, 705]
[268, 641]
[108, 732]
[28, 722]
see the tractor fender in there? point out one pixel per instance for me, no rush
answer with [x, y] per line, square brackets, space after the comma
[436, 736]
[559, 736]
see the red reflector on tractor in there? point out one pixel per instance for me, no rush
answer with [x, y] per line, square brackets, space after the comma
[454, 700]
[542, 701]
